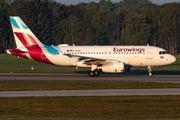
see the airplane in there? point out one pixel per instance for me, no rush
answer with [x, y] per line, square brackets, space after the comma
[108, 59]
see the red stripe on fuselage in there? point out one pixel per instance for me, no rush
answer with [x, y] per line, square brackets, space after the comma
[35, 51]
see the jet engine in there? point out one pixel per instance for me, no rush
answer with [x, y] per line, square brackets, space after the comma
[114, 67]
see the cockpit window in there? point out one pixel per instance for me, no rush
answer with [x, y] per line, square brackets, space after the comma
[163, 52]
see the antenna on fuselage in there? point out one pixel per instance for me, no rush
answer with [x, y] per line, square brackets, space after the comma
[147, 44]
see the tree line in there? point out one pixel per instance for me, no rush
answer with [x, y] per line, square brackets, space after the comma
[129, 22]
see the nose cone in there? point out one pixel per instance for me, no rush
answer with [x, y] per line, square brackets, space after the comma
[172, 59]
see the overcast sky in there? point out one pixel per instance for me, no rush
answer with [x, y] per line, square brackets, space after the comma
[68, 2]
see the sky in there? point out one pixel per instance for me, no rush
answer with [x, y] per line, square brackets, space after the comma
[74, 2]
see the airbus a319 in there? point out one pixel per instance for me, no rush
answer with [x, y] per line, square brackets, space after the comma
[108, 59]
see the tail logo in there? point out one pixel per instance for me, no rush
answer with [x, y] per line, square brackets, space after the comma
[25, 39]
[18, 23]
[28, 46]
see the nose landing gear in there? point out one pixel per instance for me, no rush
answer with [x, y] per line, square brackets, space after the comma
[149, 70]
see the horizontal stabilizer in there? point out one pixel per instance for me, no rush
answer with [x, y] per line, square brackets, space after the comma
[17, 51]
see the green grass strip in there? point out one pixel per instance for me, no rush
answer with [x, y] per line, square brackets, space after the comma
[80, 85]
[120, 107]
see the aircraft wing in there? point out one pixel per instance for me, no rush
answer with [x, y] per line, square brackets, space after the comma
[90, 60]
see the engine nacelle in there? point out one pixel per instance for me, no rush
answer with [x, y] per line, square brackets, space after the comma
[114, 67]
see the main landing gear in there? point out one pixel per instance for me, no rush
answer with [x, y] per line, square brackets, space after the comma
[94, 73]
[149, 70]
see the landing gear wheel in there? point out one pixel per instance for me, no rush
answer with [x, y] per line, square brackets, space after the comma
[150, 74]
[96, 73]
[91, 73]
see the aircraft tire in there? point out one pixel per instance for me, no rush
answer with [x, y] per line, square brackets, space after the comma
[96, 73]
[150, 74]
[91, 74]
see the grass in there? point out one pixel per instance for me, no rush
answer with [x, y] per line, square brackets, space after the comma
[119, 107]
[25, 86]
[9, 63]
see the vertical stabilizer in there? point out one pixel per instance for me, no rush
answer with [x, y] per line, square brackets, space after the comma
[28, 45]
[22, 34]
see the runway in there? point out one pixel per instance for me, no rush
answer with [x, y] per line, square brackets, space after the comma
[106, 92]
[133, 78]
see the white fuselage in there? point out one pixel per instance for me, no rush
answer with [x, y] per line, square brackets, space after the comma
[130, 55]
